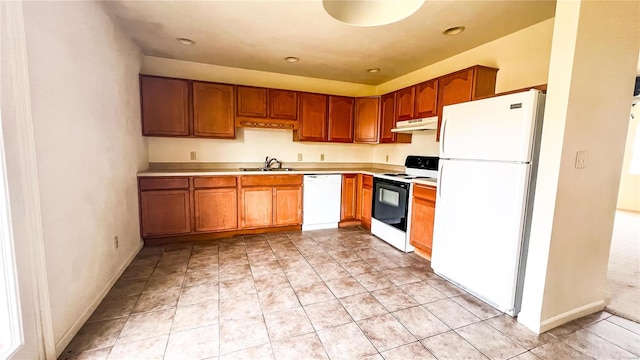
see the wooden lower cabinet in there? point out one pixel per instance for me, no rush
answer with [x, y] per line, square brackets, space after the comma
[349, 198]
[367, 199]
[256, 206]
[216, 209]
[287, 205]
[165, 212]
[423, 208]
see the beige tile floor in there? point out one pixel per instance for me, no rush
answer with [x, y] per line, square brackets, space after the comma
[330, 294]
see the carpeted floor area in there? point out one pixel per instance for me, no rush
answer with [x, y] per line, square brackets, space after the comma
[624, 266]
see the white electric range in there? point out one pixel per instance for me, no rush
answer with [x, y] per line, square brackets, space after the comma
[391, 205]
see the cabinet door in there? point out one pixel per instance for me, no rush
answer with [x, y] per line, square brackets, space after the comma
[213, 110]
[165, 106]
[256, 206]
[283, 104]
[349, 198]
[422, 216]
[165, 212]
[405, 103]
[312, 117]
[453, 89]
[367, 120]
[341, 119]
[367, 198]
[287, 205]
[426, 99]
[216, 209]
[251, 101]
[387, 117]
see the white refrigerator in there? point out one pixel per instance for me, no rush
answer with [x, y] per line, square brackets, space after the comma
[488, 153]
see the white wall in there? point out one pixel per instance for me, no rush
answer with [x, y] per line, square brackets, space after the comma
[629, 194]
[593, 43]
[85, 103]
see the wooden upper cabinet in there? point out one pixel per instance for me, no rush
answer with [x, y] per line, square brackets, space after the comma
[426, 99]
[405, 103]
[312, 117]
[465, 85]
[349, 197]
[341, 119]
[165, 106]
[283, 104]
[367, 120]
[251, 101]
[387, 117]
[213, 110]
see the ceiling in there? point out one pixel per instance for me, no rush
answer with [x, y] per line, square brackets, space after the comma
[260, 34]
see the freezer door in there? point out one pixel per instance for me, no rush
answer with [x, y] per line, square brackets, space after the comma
[479, 224]
[499, 128]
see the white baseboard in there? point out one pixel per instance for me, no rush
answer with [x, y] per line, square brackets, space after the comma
[540, 326]
[73, 330]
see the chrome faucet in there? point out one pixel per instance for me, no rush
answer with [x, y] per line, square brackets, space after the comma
[268, 162]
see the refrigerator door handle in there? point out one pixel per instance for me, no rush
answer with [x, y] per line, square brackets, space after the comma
[442, 135]
[440, 177]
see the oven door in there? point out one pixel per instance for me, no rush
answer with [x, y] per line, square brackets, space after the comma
[390, 202]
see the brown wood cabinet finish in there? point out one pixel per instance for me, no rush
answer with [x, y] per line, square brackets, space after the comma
[349, 198]
[256, 206]
[367, 199]
[464, 85]
[283, 104]
[405, 103]
[422, 218]
[165, 212]
[159, 183]
[165, 106]
[213, 110]
[426, 99]
[287, 205]
[341, 119]
[312, 118]
[203, 182]
[216, 209]
[251, 101]
[387, 117]
[367, 120]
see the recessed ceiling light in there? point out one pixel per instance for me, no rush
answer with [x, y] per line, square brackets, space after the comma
[454, 30]
[185, 41]
[292, 59]
[373, 70]
[371, 12]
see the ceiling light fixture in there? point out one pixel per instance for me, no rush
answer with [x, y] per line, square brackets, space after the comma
[292, 59]
[185, 41]
[371, 12]
[456, 30]
[373, 70]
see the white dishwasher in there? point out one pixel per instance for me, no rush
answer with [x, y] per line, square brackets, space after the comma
[321, 201]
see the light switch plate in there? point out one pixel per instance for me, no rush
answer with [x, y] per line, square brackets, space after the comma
[581, 159]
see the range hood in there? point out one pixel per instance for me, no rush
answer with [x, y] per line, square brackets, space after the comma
[407, 126]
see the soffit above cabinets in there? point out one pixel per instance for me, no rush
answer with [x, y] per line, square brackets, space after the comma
[258, 35]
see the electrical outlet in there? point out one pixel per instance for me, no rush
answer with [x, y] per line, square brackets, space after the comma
[116, 243]
[321, 157]
[193, 155]
[299, 156]
[581, 159]
[387, 159]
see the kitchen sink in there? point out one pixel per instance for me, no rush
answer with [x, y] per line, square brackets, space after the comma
[267, 169]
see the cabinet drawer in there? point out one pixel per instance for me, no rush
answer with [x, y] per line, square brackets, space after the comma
[287, 180]
[424, 192]
[256, 180]
[214, 182]
[367, 181]
[153, 183]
